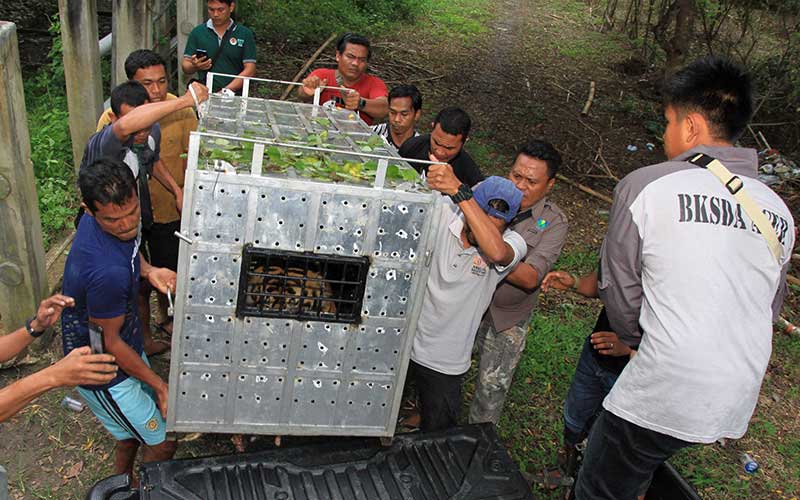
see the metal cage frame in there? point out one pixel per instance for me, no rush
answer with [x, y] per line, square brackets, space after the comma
[277, 376]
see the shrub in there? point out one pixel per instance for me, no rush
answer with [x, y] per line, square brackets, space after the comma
[51, 147]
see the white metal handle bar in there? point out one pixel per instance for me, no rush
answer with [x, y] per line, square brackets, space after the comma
[247, 79]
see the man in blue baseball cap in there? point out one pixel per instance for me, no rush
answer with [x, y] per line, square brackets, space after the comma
[474, 251]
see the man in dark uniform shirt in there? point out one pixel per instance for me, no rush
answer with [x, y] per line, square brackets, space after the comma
[445, 144]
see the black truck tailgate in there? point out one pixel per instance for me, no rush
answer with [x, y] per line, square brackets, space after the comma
[468, 463]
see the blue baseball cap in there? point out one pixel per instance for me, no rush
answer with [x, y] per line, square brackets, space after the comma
[498, 188]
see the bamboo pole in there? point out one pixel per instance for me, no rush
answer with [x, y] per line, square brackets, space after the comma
[307, 64]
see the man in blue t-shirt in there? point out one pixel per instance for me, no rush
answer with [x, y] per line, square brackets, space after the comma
[102, 274]
[134, 137]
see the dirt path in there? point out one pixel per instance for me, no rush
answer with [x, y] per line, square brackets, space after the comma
[496, 89]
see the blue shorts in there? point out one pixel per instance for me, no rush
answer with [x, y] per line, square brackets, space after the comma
[128, 410]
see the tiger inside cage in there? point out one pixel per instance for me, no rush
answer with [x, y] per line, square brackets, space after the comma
[301, 285]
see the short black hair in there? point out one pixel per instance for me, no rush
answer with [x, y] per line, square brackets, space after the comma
[718, 89]
[142, 58]
[407, 91]
[106, 180]
[542, 150]
[454, 121]
[499, 204]
[356, 39]
[131, 93]
[226, 2]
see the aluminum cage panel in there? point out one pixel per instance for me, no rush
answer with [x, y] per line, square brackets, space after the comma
[280, 375]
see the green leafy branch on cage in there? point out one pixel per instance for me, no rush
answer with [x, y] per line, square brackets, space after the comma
[313, 165]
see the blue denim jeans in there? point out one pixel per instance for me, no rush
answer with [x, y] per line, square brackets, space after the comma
[590, 385]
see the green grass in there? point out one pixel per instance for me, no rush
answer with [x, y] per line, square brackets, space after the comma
[463, 18]
[298, 21]
[531, 423]
[489, 157]
[579, 260]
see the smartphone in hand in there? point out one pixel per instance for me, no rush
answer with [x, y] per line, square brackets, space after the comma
[201, 53]
[96, 338]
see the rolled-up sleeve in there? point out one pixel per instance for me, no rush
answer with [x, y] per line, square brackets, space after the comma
[517, 243]
[546, 252]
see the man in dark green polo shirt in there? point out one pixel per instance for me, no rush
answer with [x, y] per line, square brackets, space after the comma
[229, 47]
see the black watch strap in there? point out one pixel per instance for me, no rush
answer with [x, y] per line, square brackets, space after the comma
[362, 103]
[33, 333]
[464, 193]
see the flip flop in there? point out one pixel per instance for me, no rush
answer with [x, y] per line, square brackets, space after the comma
[408, 423]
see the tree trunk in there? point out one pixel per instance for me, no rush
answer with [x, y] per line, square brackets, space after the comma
[676, 44]
[681, 40]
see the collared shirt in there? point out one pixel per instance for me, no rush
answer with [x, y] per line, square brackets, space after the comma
[419, 148]
[105, 143]
[175, 129]
[544, 232]
[382, 129]
[682, 259]
[228, 54]
[458, 291]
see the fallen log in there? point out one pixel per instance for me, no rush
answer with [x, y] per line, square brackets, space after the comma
[307, 64]
[585, 189]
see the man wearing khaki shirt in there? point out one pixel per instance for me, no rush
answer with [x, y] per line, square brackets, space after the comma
[543, 226]
[148, 68]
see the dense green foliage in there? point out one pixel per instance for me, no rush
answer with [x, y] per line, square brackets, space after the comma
[298, 21]
[51, 147]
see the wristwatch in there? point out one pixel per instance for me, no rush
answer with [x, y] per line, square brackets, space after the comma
[33, 333]
[362, 103]
[464, 193]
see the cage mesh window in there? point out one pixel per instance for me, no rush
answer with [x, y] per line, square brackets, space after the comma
[282, 284]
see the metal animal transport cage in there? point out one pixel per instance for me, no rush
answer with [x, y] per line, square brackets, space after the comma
[305, 249]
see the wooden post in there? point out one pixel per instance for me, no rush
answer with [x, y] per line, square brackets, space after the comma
[132, 26]
[162, 23]
[81, 71]
[23, 278]
[190, 14]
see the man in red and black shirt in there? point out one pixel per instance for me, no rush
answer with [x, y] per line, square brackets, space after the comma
[367, 95]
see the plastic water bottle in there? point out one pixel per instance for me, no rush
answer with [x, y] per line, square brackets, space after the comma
[72, 404]
[750, 465]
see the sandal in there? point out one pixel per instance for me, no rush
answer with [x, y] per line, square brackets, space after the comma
[408, 423]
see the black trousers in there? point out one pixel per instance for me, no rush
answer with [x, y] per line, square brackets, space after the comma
[439, 397]
[621, 458]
